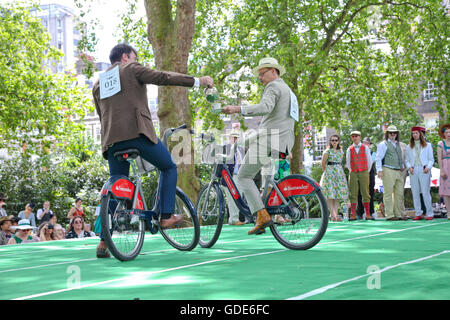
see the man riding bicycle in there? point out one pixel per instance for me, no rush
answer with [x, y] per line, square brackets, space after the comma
[279, 109]
[120, 97]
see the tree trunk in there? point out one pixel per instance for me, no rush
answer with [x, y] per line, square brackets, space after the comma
[170, 34]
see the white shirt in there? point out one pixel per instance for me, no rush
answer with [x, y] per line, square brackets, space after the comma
[40, 213]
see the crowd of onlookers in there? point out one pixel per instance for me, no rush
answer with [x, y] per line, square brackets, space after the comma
[392, 162]
[42, 226]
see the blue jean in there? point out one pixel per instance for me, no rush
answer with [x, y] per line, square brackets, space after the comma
[157, 155]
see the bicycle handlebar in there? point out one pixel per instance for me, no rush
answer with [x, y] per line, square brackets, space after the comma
[171, 131]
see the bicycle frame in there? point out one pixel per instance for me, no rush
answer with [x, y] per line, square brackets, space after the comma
[220, 171]
[123, 188]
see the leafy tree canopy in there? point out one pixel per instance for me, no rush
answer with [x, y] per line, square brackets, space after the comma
[37, 107]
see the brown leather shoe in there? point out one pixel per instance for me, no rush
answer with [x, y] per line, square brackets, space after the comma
[263, 220]
[173, 220]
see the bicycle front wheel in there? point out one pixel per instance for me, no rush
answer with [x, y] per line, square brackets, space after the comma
[307, 215]
[122, 229]
[183, 236]
[211, 210]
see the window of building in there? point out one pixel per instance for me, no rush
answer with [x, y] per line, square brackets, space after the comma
[98, 134]
[321, 145]
[428, 93]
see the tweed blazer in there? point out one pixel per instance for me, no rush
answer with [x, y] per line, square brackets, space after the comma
[126, 114]
[275, 106]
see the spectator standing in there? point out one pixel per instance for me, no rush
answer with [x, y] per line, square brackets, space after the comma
[234, 169]
[77, 210]
[5, 231]
[22, 234]
[333, 182]
[28, 214]
[97, 224]
[3, 199]
[358, 162]
[419, 161]
[45, 213]
[389, 162]
[443, 154]
[372, 174]
[76, 229]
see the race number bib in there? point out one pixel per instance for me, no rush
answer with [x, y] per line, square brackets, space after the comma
[110, 83]
[294, 106]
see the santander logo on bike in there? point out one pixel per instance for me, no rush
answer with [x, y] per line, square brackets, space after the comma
[304, 187]
[119, 188]
[123, 188]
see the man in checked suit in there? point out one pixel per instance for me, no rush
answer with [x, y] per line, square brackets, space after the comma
[275, 134]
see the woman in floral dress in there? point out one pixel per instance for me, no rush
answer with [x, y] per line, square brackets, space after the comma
[443, 154]
[333, 181]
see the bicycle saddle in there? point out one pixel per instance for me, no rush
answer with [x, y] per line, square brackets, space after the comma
[127, 154]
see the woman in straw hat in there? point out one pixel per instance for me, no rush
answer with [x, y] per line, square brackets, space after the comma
[443, 154]
[23, 233]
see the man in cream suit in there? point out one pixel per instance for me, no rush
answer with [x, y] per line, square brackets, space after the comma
[390, 167]
[419, 161]
[275, 135]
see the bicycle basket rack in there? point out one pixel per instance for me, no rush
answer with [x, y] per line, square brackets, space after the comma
[208, 154]
[144, 166]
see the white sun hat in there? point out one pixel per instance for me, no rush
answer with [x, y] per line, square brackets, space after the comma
[23, 224]
[268, 62]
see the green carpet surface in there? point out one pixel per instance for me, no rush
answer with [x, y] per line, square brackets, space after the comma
[373, 260]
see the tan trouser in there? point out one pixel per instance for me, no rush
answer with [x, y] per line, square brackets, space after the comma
[393, 193]
[359, 181]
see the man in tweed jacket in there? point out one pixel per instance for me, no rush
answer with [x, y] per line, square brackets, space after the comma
[120, 97]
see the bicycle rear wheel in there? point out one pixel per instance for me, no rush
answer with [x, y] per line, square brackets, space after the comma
[211, 215]
[183, 236]
[122, 230]
[307, 212]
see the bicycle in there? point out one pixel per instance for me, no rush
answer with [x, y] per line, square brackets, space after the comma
[124, 210]
[297, 197]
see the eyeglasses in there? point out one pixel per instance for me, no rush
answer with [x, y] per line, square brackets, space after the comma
[392, 133]
[334, 140]
[76, 222]
[261, 74]
[354, 136]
